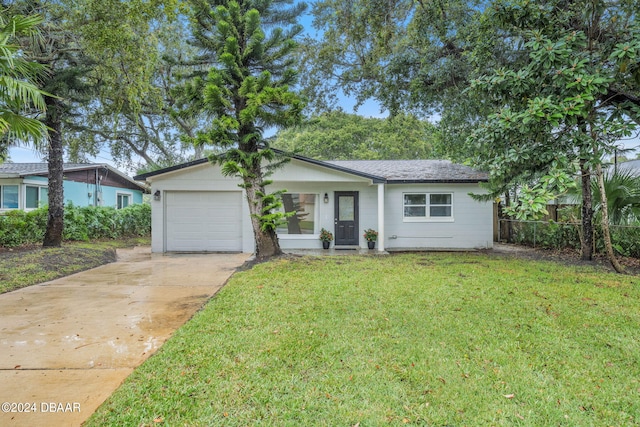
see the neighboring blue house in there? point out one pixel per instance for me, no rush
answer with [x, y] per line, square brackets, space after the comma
[24, 186]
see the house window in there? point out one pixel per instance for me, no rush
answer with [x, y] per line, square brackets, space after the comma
[9, 197]
[304, 220]
[440, 205]
[428, 207]
[124, 200]
[36, 197]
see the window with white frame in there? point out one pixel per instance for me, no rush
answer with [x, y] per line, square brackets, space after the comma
[123, 200]
[428, 206]
[304, 221]
[8, 197]
[36, 197]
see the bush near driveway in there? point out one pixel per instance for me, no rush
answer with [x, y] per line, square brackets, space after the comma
[418, 339]
[81, 223]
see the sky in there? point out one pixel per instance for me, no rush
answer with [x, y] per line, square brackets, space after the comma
[368, 109]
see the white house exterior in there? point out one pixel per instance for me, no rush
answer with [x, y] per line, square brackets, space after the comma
[413, 204]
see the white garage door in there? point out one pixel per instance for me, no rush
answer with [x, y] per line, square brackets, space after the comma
[203, 221]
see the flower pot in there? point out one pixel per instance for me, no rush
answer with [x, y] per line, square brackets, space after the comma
[325, 245]
[371, 244]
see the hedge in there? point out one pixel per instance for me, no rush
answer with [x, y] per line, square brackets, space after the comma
[80, 223]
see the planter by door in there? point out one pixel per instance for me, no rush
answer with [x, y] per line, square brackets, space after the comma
[371, 244]
[325, 245]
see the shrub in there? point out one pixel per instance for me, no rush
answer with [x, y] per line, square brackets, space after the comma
[134, 220]
[13, 228]
[626, 240]
[100, 222]
[554, 235]
[550, 235]
[75, 226]
[19, 227]
[80, 223]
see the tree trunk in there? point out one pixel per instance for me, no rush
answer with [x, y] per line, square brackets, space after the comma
[267, 244]
[507, 202]
[606, 235]
[55, 222]
[586, 249]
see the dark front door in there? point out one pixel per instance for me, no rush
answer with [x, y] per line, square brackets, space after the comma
[346, 218]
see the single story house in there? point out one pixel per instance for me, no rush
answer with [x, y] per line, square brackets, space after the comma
[412, 204]
[25, 186]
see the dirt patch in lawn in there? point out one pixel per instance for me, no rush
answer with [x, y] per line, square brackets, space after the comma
[32, 264]
[60, 258]
[566, 256]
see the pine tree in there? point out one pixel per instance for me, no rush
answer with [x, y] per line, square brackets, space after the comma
[248, 47]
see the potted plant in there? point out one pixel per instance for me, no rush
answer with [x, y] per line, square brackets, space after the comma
[371, 236]
[326, 237]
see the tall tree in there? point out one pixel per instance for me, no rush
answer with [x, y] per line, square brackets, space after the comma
[560, 77]
[342, 136]
[248, 46]
[143, 44]
[59, 49]
[89, 47]
[570, 98]
[18, 92]
[406, 54]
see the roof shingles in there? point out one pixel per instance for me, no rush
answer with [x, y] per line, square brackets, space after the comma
[414, 170]
[37, 168]
[389, 171]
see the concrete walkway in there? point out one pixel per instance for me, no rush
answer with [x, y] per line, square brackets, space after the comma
[66, 345]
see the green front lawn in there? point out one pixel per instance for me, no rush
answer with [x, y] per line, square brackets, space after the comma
[422, 339]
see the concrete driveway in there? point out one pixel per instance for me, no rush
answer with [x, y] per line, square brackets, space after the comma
[66, 345]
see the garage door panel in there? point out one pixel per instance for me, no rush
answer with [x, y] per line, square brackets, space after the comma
[203, 221]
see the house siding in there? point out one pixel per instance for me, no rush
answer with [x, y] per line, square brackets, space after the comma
[472, 225]
[368, 214]
[83, 194]
[298, 177]
[76, 192]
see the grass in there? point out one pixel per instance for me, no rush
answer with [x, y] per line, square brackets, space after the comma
[418, 339]
[22, 267]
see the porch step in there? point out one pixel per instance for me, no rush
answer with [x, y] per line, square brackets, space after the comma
[346, 247]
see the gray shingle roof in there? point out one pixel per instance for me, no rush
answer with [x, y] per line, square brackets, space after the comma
[414, 170]
[22, 169]
[392, 171]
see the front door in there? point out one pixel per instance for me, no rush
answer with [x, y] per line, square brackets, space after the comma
[346, 218]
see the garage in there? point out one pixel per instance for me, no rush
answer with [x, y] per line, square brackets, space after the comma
[203, 221]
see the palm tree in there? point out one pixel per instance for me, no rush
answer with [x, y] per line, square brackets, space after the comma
[622, 189]
[623, 197]
[18, 93]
